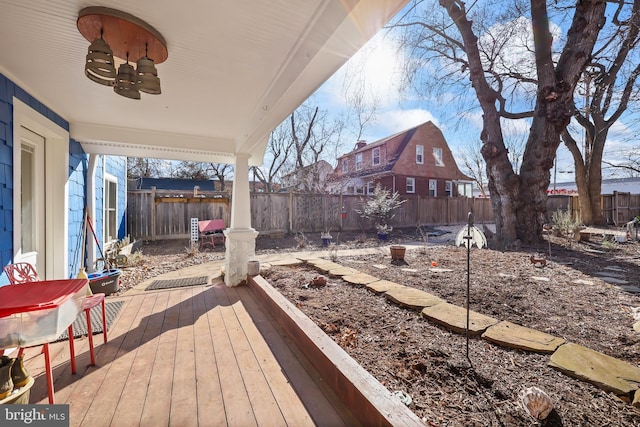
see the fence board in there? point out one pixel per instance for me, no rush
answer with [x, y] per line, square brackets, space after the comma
[294, 212]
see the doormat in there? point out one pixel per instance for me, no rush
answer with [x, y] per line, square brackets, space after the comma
[177, 283]
[80, 324]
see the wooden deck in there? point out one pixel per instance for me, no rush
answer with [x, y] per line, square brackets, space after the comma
[205, 355]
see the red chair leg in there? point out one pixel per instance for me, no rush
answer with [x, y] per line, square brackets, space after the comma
[72, 349]
[90, 333]
[49, 374]
[104, 322]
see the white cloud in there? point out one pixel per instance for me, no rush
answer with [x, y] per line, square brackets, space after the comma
[394, 121]
[375, 71]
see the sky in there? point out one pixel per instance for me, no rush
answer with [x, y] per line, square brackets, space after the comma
[382, 61]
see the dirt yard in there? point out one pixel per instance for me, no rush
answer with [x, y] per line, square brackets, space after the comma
[416, 358]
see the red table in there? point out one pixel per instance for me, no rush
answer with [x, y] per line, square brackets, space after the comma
[37, 313]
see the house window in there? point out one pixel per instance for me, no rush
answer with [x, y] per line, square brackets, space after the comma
[359, 189]
[110, 208]
[371, 187]
[419, 154]
[433, 188]
[465, 189]
[437, 154]
[411, 185]
[376, 156]
[358, 161]
[351, 190]
[345, 165]
[448, 188]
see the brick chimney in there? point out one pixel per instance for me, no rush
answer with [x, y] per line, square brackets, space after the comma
[360, 144]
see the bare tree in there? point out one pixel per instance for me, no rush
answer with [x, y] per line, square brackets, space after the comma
[473, 165]
[278, 150]
[607, 86]
[314, 135]
[472, 46]
[146, 168]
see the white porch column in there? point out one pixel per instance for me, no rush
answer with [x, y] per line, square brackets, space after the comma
[240, 237]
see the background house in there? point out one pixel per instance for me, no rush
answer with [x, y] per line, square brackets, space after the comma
[312, 178]
[415, 161]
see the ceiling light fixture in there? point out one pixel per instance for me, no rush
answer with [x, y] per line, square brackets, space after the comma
[114, 33]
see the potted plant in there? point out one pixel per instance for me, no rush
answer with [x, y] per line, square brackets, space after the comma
[326, 237]
[383, 231]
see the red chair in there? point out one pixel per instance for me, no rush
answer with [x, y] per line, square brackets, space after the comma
[23, 272]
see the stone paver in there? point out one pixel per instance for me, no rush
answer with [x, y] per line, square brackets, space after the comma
[454, 317]
[343, 271]
[320, 261]
[326, 267]
[613, 280]
[380, 266]
[409, 270]
[610, 274]
[412, 298]
[286, 261]
[540, 278]
[515, 336]
[604, 371]
[440, 270]
[582, 282]
[382, 286]
[360, 279]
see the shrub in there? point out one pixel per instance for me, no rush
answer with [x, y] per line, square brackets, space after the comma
[381, 208]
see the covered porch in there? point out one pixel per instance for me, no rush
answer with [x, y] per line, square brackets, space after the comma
[211, 355]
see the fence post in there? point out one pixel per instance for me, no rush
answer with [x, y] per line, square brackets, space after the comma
[291, 212]
[153, 213]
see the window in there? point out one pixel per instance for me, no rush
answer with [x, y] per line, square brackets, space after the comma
[110, 208]
[448, 188]
[376, 156]
[419, 154]
[358, 161]
[437, 154]
[411, 185]
[359, 189]
[433, 188]
[465, 189]
[345, 165]
[371, 187]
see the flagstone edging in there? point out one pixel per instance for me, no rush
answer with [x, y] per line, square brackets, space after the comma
[579, 362]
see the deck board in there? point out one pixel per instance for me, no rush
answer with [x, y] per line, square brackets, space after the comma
[203, 355]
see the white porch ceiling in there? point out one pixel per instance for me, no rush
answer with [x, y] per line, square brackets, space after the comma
[235, 69]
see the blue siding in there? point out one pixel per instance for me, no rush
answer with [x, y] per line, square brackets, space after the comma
[8, 90]
[77, 201]
[77, 179]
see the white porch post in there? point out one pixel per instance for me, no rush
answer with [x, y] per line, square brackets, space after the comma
[240, 237]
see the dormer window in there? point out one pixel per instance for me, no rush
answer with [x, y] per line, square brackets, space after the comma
[419, 154]
[375, 155]
[437, 155]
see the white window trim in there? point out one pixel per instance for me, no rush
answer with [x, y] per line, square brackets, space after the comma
[438, 157]
[113, 179]
[345, 165]
[370, 188]
[433, 185]
[413, 185]
[359, 161]
[448, 188]
[373, 156]
[56, 253]
[420, 153]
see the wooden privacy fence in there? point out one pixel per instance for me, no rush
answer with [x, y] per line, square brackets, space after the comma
[167, 214]
[617, 208]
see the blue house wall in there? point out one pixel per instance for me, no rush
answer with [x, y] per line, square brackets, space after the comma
[77, 179]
